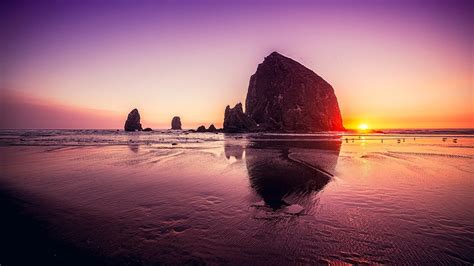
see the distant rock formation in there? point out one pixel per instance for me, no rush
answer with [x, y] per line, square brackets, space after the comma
[284, 95]
[147, 129]
[133, 121]
[201, 129]
[176, 123]
[235, 120]
[212, 128]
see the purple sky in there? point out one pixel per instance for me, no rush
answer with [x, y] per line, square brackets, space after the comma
[392, 63]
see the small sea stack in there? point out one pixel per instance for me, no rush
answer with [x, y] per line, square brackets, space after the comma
[133, 121]
[176, 123]
[212, 128]
[201, 129]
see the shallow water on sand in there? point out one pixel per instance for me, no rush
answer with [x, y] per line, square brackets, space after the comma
[273, 199]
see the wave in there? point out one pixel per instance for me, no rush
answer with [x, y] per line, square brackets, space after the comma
[79, 137]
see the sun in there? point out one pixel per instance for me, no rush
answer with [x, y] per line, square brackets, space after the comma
[363, 127]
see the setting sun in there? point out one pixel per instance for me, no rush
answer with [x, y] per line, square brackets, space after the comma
[363, 127]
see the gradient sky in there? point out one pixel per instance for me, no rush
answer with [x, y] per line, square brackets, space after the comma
[86, 64]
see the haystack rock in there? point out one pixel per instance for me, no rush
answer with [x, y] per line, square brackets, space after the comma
[284, 95]
[176, 123]
[235, 120]
[133, 121]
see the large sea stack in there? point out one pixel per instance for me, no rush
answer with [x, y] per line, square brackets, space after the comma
[283, 95]
[133, 121]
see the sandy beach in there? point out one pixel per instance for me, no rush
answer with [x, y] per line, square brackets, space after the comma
[273, 199]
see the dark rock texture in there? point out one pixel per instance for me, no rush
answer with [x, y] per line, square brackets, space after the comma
[201, 129]
[133, 121]
[235, 120]
[176, 123]
[147, 129]
[284, 95]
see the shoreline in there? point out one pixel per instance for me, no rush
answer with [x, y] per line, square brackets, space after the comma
[239, 200]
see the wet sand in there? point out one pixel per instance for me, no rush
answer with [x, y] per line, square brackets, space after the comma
[235, 200]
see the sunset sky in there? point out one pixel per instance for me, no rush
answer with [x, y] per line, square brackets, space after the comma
[86, 64]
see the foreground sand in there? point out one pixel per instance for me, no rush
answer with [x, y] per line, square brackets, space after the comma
[273, 200]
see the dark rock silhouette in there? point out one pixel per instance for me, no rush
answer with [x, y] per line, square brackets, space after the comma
[201, 129]
[176, 123]
[283, 95]
[147, 129]
[212, 128]
[133, 121]
[235, 120]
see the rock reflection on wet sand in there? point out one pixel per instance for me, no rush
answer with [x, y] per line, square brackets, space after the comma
[238, 200]
[275, 175]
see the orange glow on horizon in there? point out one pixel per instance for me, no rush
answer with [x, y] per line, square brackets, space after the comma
[431, 120]
[34, 111]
